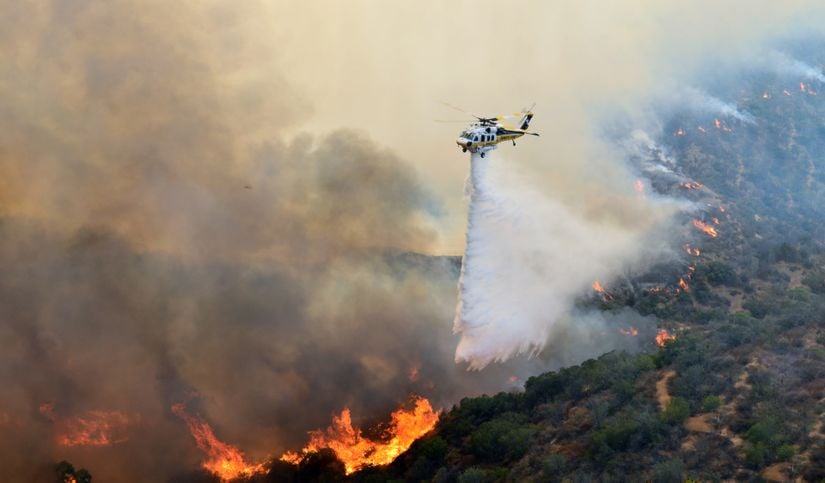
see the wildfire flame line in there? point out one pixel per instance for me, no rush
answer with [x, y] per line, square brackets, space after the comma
[223, 460]
[692, 251]
[356, 451]
[691, 185]
[709, 230]
[94, 428]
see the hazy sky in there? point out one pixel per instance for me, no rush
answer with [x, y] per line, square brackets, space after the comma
[384, 67]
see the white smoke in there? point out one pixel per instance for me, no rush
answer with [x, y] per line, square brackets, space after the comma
[700, 101]
[783, 64]
[528, 258]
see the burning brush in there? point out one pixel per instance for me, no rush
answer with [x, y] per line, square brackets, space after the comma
[356, 451]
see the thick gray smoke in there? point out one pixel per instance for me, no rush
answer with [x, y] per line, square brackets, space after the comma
[527, 260]
[164, 240]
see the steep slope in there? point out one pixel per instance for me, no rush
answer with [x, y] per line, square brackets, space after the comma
[740, 392]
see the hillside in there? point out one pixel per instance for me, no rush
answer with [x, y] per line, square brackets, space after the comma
[740, 393]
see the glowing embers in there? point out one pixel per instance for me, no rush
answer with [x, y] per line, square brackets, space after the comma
[93, 428]
[718, 124]
[709, 230]
[356, 451]
[806, 88]
[223, 460]
[663, 336]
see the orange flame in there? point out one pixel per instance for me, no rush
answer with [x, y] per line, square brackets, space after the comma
[640, 187]
[691, 185]
[679, 132]
[223, 460]
[801, 87]
[692, 251]
[356, 452]
[721, 208]
[663, 336]
[709, 230]
[683, 285]
[765, 95]
[717, 123]
[95, 428]
[597, 286]
[632, 332]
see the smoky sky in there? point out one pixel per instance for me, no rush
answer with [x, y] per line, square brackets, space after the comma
[184, 217]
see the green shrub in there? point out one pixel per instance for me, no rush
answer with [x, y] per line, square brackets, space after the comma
[553, 464]
[755, 455]
[473, 475]
[504, 438]
[677, 410]
[711, 403]
[668, 472]
[785, 452]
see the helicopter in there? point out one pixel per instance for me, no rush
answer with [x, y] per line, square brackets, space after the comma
[486, 133]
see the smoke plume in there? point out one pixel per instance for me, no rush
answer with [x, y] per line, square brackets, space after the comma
[783, 64]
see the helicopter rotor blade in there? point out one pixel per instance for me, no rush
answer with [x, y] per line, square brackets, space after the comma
[460, 110]
[509, 116]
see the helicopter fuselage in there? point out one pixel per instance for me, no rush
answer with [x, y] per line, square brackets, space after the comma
[483, 137]
[486, 134]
